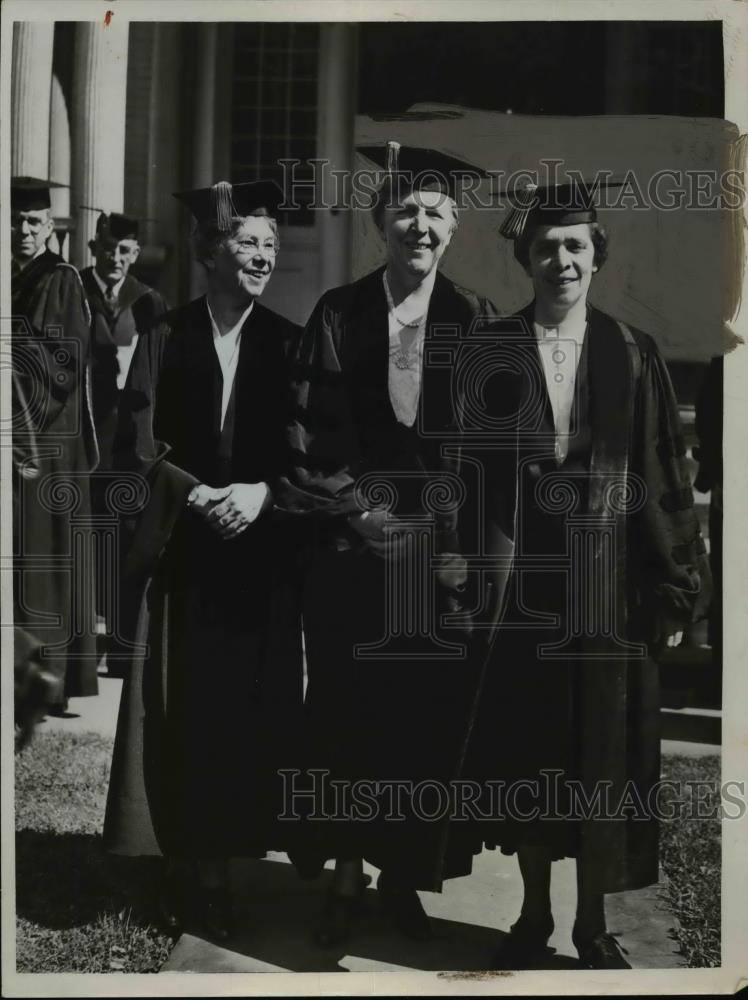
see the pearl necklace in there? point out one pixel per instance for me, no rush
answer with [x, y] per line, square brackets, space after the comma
[404, 356]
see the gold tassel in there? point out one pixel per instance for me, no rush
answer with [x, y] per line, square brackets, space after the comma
[222, 206]
[514, 224]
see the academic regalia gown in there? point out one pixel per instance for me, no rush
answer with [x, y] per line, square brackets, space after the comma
[53, 593]
[134, 313]
[397, 711]
[211, 707]
[606, 539]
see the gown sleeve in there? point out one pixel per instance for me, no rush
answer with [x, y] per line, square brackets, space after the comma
[138, 451]
[61, 306]
[325, 454]
[674, 572]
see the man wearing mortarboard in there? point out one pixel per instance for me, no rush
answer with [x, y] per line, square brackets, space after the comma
[608, 563]
[122, 309]
[51, 342]
[364, 396]
[211, 708]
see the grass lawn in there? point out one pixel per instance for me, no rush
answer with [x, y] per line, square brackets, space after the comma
[690, 855]
[80, 910]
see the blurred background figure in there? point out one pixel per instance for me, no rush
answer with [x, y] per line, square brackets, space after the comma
[122, 310]
[53, 593]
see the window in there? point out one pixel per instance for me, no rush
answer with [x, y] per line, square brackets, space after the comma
[274, 108]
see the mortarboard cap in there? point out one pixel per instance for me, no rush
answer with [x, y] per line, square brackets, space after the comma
[419, 167]
[28, 194]
[116, 225]
[554, 205]
[220, 204]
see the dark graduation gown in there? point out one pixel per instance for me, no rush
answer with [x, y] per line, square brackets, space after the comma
[53, 591]
[614, 523]
[211, 709]
[397, 711]
[134, 312]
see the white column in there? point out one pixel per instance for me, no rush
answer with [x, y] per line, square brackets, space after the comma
[98, 126]
[31, 80]
[59, 167]
[337, 111]
[204, 121]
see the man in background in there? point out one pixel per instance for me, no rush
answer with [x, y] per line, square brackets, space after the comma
[53, 593]
[123, 309]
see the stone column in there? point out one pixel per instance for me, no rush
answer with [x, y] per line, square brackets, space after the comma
[337, 110]
[31, 81]
[59, 168]
[204, 127]
[98, 127]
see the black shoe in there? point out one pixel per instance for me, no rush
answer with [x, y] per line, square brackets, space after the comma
[59, 710]
[523, 946]
[216, 912]
[338, 914]
[602, 952]
[405, 910]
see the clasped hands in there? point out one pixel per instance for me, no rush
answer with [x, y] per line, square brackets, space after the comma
[230, 510]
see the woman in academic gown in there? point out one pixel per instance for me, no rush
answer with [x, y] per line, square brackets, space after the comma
[211, 708]
[390, 692]
[608, 558]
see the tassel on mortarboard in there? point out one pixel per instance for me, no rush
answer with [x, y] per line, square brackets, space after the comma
[514, 225]
[222, 206]
[393, 156]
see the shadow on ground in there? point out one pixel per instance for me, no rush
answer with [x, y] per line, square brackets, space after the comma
[277, 913]
[66, 880]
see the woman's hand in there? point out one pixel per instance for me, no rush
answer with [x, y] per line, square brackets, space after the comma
[243, 504]
[203, 498]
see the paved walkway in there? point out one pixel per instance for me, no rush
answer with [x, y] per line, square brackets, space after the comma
[277, 910]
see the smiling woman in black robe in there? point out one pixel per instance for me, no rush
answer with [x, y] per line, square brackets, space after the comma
[211, 708]
[609, 569]
[374, 420]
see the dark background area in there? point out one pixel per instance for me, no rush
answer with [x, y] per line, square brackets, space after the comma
[546, 68]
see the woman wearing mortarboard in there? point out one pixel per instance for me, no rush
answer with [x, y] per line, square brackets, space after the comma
[374, 420]
[210, 712]
[608, 557]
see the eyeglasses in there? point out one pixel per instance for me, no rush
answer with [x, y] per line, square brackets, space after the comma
[34, 224]
[251, 247]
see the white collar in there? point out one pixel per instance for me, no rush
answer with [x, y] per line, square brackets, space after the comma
[427, 285]
[103, 286]
[570, 328]
[231, 335]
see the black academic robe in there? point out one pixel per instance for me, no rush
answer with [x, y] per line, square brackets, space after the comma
[604, 542]
[133, 313]
[53, 593]
[211, 707]
[390, 690]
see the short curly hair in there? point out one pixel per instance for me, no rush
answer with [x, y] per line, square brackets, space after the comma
[207, 237]
[598, 235]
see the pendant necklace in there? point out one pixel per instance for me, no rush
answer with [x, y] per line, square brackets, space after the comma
[404, 356]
